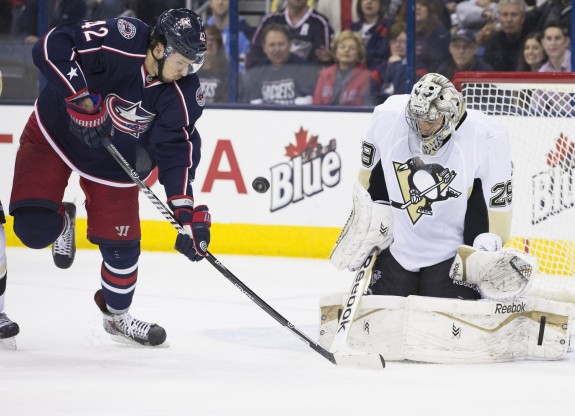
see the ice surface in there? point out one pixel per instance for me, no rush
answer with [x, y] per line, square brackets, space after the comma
[226, 355]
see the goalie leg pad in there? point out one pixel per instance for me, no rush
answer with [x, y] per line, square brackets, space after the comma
[369, 225]
[383, 335]
[497, 275]
[439, 330]
[457, 331]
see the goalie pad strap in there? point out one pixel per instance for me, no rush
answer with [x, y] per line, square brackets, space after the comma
[369, 225]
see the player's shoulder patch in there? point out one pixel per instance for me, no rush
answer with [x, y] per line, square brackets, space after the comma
[127, 29]
[200, 96]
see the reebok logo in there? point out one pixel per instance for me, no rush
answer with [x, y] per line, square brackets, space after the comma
[347, 312]
[513, 308]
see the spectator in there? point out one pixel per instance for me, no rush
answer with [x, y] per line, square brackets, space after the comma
[373, 28]
[462, 48]
[554, 11]
[310, 34]
[474, 14]
[389, 77]
[149, 10]
[284, 78]
[221, 19]
[59, 11]
[17, 31]
[432, 39]
[5, 18]
[277, 5]
[214, 72]
[340, 16]
[503, 49]
[556, 43]
[105, 9]
[347, 81]
[533, 55]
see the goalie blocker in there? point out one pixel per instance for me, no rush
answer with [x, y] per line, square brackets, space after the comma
[439, 330]
[369, 226]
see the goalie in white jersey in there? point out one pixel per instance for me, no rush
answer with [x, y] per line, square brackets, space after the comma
[437, 176]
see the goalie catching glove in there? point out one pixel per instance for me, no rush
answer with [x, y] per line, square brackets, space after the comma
[89, 125]
[497, 275]
[369, 225]
[196, 223]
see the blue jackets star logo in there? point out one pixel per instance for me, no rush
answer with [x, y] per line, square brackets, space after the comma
[73, 73]
[128, 117]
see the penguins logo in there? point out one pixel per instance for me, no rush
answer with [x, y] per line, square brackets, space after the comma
[421, 185]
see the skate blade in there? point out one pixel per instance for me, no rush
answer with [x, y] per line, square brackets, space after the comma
[8, 344]
[129, 341]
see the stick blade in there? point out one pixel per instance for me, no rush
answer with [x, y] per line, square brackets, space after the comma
[371, 361]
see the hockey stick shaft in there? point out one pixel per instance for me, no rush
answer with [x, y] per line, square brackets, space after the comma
[423, 193]
[352, 301]
[339, 345]
[211, 259]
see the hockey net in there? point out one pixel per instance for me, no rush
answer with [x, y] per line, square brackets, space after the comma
[539, 111]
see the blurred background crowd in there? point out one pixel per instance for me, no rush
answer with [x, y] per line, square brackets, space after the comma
[319, 52]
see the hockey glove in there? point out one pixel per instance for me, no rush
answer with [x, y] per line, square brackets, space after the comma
[196, 223]
[90, 126]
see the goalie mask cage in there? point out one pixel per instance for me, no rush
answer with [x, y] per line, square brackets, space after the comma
[539, 111]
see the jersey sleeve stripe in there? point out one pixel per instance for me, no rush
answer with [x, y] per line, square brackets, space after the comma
[53, 66]
[114, 50]
[184, 105]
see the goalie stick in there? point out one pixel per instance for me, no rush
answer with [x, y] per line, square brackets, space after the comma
[339, 345]
[337, 359]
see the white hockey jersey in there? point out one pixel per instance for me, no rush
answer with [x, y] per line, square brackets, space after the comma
[430, 194]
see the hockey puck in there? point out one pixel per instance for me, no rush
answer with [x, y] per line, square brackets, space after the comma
[260, 184]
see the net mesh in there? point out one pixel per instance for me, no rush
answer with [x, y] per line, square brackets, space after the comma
[540, 117]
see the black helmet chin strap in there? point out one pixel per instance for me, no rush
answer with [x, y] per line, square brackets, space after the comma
[160, 63]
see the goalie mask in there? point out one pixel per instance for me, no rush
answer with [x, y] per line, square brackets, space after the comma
[184, 33]
[434, 109]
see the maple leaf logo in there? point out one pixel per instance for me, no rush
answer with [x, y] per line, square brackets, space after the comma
[563, 154]
[302, 144]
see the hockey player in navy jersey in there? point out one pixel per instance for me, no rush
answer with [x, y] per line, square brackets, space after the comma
[121, 79]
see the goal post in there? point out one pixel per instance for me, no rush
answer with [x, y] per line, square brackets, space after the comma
[539, 111]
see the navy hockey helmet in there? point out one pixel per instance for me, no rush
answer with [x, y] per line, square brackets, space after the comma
[184, 33]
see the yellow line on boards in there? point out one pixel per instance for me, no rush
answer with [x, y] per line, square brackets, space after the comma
[248, 239]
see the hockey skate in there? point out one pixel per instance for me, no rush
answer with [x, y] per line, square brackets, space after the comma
[64, 248]
[8, 332]
[126, 329]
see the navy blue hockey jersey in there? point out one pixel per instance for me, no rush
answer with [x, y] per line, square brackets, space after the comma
[153, 121]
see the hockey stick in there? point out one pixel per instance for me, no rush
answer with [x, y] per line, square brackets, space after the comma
[339, 345]
[338, 360]
[422, 193]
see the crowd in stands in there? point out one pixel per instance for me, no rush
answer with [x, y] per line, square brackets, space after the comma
[341, 52]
